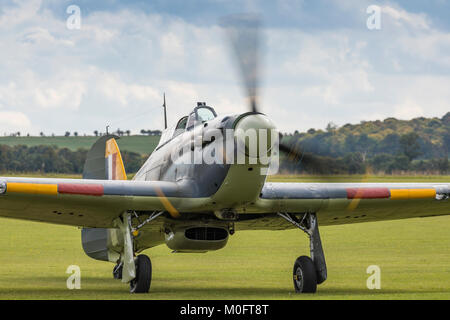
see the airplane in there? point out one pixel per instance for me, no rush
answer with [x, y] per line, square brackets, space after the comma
[195, 207]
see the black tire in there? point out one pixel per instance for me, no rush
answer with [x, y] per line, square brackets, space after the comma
[141, 284]
[305, 277]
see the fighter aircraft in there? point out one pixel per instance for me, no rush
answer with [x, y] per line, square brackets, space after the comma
[196, 206]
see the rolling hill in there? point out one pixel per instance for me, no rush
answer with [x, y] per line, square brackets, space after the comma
[139, 144]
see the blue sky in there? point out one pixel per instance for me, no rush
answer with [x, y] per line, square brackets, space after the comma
[320, 14]
[321, 63]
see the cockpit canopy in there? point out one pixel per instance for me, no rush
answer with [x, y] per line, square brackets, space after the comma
[201, 114]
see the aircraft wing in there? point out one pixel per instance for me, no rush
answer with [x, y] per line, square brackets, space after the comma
[97, 203]
[86, 203]
[345, 203]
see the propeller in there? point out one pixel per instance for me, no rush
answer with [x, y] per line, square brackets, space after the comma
[309, 161]
[244, 35]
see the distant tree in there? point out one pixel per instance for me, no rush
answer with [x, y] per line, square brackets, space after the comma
[443, 165]
[151, 132]
[351, 143]
[365, 145]
[390, 144]
[75, 134]
[446, 118]
[132, 161]
[400, 163]
[96, 133]
[331, 127]
[447, 141]
[128, 132]
[434, 123]
[410, 145]
[355, 163]
[41, 134]
[382, 162]
[67, 134]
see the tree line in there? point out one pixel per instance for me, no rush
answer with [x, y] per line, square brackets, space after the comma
[96, 133]
[50, 159]
[391, 146]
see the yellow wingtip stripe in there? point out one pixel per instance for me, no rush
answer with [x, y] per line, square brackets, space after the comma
[32, 188]
[408, 194]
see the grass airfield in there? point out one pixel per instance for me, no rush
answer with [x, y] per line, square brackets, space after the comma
[414, 257]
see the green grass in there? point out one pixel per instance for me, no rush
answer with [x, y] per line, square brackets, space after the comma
[139, 144]
[40, 175]
[413, 255]
[278, 178]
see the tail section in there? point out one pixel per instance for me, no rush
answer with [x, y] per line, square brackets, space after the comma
[104, 161]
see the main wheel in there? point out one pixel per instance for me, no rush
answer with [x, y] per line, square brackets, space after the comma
[305, 278]
[141, 284]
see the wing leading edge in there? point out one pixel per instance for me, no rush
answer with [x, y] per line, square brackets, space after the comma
[343, 203]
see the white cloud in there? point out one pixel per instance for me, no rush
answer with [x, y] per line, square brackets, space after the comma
[116, 90]
[19, 12]
[11, 121]
[30, 91]
[403, 18]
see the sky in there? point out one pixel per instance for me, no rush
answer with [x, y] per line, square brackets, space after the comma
[320, 64]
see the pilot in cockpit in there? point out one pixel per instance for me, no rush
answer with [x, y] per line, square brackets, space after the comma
[201, 114]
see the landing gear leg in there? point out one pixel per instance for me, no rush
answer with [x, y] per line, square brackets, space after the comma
[308, 272]
[117, 271]
[135, 271]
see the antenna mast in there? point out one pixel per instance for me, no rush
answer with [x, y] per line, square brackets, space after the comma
[165, 112]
